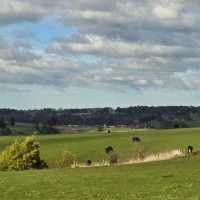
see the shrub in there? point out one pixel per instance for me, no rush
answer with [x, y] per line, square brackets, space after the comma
[22, 156]
[66, 159]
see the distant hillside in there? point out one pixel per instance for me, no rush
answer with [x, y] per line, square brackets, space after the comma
[136, 117]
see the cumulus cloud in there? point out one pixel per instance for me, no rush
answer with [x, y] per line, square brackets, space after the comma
[169, 10]
[127, 44]
[18, 11]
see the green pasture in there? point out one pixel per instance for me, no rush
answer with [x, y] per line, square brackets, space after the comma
[175, 179]
[167, 180]
[92, 145]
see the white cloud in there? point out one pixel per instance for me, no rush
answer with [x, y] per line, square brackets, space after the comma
[169, 11]
[127, 44]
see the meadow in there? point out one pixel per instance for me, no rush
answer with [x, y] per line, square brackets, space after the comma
[170, 179]
[92, 144]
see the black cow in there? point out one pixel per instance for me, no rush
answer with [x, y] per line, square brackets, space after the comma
[89, 162]
[136, 139]
[190, 149]
[109, 149]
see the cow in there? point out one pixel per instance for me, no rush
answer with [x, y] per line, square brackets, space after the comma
[89, 162]
[109, 150]
[136, 139]
[190, 149]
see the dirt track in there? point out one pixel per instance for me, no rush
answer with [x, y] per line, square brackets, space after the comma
[150, 158]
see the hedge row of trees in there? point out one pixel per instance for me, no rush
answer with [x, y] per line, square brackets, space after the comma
[139, 116]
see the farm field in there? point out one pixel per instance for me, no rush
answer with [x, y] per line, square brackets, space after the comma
[92, 145]
[22, 128]
[175, 179]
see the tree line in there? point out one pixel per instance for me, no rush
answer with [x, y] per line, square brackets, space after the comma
[136, 117]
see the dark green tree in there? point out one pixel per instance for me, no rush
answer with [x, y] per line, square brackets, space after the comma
[12, 121]
[2, 123]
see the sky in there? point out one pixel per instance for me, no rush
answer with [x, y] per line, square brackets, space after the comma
[99, 53]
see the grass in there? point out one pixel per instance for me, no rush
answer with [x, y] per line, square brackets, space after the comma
[176, 179]
[23, 128]
[92, 145]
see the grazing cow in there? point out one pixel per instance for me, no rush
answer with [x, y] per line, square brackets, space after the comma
[190, 149]
[89, 162]
[136, 139]
[109, 150]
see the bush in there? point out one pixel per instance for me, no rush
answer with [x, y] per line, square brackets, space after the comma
[22, 156]
[66, 159]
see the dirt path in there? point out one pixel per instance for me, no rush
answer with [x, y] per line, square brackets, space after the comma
[150, 158]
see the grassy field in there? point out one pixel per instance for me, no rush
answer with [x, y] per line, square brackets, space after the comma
[92, 145]
[173, 179]
[167, 180]
[22, 128]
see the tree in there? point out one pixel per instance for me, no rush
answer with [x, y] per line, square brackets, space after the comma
[12, 121]
[52, 121]
[36, 122]
[2, 123]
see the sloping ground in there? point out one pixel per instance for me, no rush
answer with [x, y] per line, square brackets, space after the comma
[175, 179]
[92, 145]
